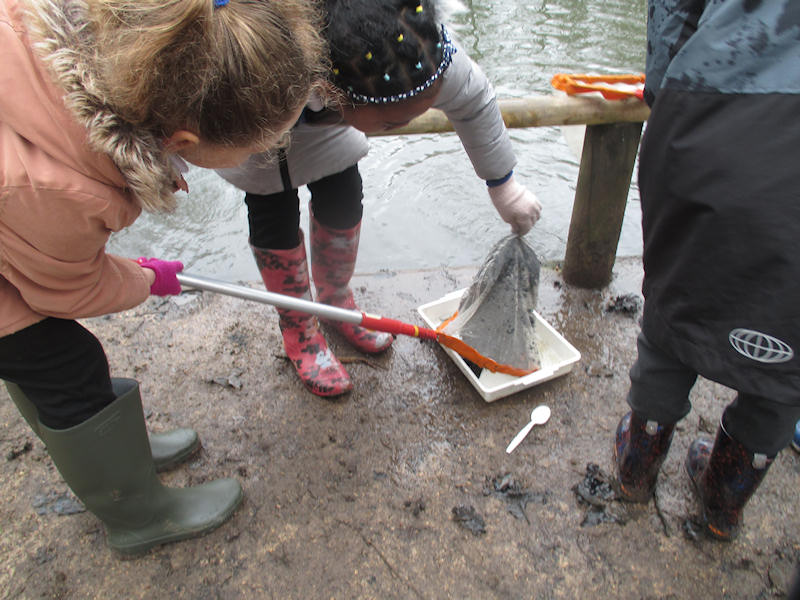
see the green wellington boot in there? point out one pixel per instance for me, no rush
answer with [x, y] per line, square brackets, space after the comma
[107, 463]
[169, 448]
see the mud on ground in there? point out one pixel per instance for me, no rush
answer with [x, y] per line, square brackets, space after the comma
[402, 489]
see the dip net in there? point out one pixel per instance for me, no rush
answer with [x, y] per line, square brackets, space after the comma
[495, 315]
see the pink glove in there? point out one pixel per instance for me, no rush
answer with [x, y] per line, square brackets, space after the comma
[166, 282]
[516, 205]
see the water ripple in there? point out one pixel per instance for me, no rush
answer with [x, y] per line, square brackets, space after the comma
[424, 206]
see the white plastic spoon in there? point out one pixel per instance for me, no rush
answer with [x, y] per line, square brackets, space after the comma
[539, 416]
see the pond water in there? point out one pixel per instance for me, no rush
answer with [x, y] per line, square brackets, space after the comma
[424, 206]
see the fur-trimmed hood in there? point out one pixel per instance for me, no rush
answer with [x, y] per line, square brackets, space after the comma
[70, 176]
[62, 38]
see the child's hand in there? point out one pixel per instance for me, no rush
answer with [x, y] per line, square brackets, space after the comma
[516, 205]
[166, 281]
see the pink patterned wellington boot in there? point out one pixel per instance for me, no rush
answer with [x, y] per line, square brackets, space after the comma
[286, 272]
[333, 260]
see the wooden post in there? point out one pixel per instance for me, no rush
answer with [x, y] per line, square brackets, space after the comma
[609, 153]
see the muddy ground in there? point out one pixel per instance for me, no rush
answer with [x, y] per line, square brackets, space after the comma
[382, 493]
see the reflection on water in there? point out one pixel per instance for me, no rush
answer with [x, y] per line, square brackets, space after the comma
[424, 205]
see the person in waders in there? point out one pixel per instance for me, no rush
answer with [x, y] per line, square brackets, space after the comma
[391, 60]
[720, 192]
[101, 102]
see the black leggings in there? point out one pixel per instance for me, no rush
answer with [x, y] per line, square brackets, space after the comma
[62, 369]
[274, 219]
[660, 387]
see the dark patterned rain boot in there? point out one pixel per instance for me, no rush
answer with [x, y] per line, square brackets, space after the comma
[640, 448]
[333, 260]
[724, 478]
[286, 272]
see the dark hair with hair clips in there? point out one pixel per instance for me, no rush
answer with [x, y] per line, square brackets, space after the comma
[380, 49]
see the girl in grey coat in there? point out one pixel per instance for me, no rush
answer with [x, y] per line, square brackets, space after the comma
[391, 60]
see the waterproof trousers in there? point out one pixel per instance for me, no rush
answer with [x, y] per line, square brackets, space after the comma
[660, 387]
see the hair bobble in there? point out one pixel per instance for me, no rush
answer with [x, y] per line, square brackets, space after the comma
[368, 56]
[220, 3]
[400, 38]
[418, 9]
[448, 50]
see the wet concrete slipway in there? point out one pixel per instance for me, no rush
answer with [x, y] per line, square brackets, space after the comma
[402, 489]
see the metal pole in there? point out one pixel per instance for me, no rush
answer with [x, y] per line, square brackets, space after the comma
[277, 300]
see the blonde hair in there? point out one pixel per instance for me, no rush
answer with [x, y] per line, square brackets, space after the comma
[136, 71]
[229, 74]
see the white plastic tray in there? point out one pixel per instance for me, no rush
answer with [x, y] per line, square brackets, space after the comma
[557, 354]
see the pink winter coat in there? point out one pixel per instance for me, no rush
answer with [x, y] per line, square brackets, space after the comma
[59, 200]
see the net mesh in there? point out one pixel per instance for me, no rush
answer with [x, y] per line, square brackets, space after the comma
[495, 315]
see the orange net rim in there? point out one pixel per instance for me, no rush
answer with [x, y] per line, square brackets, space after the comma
[468, 352]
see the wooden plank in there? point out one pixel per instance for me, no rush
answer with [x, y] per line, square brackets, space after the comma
[540, 111]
